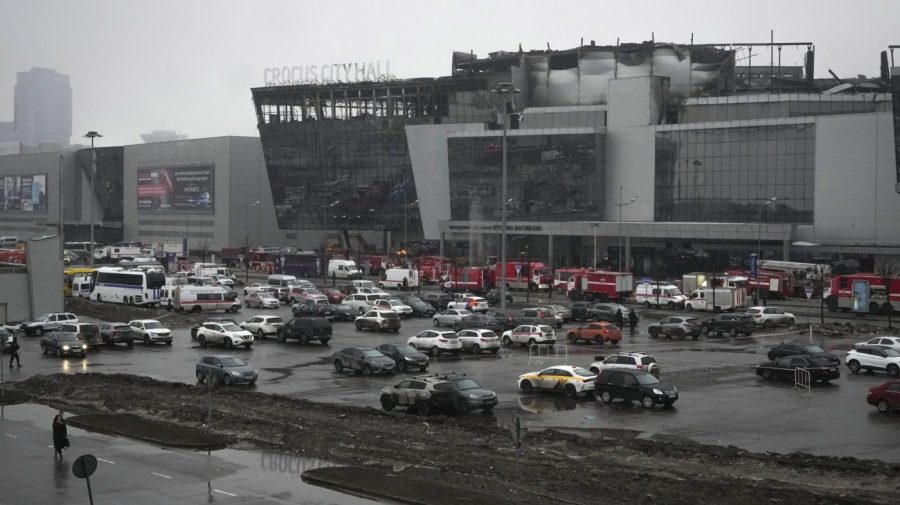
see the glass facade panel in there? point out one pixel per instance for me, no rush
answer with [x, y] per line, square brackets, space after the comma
[724, 175]
[549, 177]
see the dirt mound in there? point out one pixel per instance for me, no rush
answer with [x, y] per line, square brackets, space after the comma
[116, 312]
[464, 454]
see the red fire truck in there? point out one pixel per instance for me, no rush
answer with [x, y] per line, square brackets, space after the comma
[474, 279]
[776, 285]
[374, 264]
[12, 257]
[864, 292]
[561, 278]
[602, 285]
[431, 268]
[521, 274]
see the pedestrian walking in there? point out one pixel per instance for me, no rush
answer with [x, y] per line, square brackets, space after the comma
[60, 435]
[620, 319]
[14, 352]
[333, 278]
[632, 320]
[405, 284]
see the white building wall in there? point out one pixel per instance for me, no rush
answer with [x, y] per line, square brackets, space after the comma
[855, 198]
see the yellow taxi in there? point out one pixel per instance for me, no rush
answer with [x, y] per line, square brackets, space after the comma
[569, 380]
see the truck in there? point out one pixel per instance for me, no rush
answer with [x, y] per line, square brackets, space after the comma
[394, 277]
[800, 275]
[163, 250]
[113, 253]
[522, 275]
[373, 264]
[561, 277]
[303, 264]
[431, 268]
[716, 299]
[12, 257]
[770, 284]
[864, 292]
[343, 269]
[659, 294]
[601, 285]
[474, 279]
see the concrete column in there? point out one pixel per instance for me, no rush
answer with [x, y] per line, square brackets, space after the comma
[785, 250]
[626, 260]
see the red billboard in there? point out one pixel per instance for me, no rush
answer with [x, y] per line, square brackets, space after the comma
[175, 189]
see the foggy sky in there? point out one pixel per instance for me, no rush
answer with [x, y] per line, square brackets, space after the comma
[188, 65]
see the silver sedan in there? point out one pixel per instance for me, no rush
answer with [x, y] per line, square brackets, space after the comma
[449, 316]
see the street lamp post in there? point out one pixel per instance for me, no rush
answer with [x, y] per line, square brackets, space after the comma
[755, 268]
[622, 204]
[92, 135]
[505, 90]
[595, 226]
[325, 241]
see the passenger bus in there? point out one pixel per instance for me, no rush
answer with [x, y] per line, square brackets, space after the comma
[77, 282]
[129, 287]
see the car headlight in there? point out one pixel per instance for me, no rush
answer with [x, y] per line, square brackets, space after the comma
[472, 396]
[657, 392]
[236, 374]
[65, 348]
[84, 346]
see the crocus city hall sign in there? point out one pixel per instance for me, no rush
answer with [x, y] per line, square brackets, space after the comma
[372, 71]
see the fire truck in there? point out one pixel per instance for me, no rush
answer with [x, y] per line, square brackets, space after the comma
[431, 268]
[799, 276]
[474, 279]
[561, 277]
[864, 292]
[522, 275]
[601, 285]
[775, 285]
[12, 257]
[374, 264]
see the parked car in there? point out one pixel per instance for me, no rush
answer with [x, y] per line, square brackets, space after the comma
[479, 340]
[819, 368]
[305, 330]
[626, 361]
[792, 348]
[506, 319]
[261, 300]
[263, 325]
[405, 356]
[634, 385]
[599, 332]
[437, 300]
[296, 294]
[885, 397]
[344, 312]
[472, 304]
[679, 327]
[872, 358]
[493, 297]
[226, 369]
[48, 322]
[529, 334]
[361, 302]
[469, 393]
[436, 342]
[395, 305]
[732, 324]
[449, 317]
[210, 320]
[892, 342]
[478, 321]
[378, 320]
[562, 311]
[62, 343]
[255, 287]
[607, 312]
[88, 333]
[581, 311]
[227, 334]
[364, 360]
[419, 306]
[116, 333]
[150, 331]
[538, 315]
[334, 295]
[316, 308]
[769, 317]
[569, 380]
[425, 394]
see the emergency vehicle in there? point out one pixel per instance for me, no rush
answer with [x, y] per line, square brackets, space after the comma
[474, 279]
[602, 285]
[561, 277]
[522, 275]
[863, 292]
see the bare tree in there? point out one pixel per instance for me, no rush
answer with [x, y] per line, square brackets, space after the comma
[887, 272]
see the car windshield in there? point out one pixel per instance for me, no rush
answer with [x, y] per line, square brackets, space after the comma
[120, 327]
[43, 318]
[266, 296]
[67, 337]
[406, 349]
[395, 302]
[443, 386]
[891, 352]
[414, 299]
[152, 325]
[230, 327]
[646, 379]
[272, 320]
[232, 361]
[90, 329]
[466, 384]
[372, 353]
[488, 334]
[583, 372]
[546, 329]
[814, 348]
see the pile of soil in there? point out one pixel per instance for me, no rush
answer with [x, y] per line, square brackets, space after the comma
[470, 453]
[124, 313]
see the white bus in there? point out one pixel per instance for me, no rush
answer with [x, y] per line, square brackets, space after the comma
[128, 287]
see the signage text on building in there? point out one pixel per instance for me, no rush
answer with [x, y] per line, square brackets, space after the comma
[372, 71]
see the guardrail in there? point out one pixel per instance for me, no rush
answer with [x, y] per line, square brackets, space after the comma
[540, 353]
[802, 380]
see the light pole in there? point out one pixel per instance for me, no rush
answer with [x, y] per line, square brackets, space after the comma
[325, 241]
[621, 204]
[595, 226]
[755, 267]
[92, 135]
[247, 241]
[505, 90]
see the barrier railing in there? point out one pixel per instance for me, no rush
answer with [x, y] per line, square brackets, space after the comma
[540, 353]
[802, 380]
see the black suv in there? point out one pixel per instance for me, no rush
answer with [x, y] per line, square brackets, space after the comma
[437, 300]
[306, 329]
[309, 308]
[633, 385]
[732, 324]
[493, 297]
[805, 348]
[419, 306]
[581, 311]
[405, 356]
[470, 395]
[478, 321]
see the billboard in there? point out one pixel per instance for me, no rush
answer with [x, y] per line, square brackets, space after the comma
[860, 298]
[175, 189]
[24, 192]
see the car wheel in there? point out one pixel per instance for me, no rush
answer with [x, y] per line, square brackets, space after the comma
[531, 342]
[790, 322]
[435, 351]
[680, 334]
[387, 403]
[670, 305]
[367, 370]
[507, 341]
[767, 324]
[228, 343]
[260, 334]
[733, 332]
[605, 397]
[570, 391]
[436, 323]
[766, 374]
[526, 386]
[853, 366]
[648, 402]
[654, 332]
[226, 379]
[476, 349]
[200, 377]
[358, 326]
[689, 308]
[147, 339]
[202, 340]
[422, 408]
[338, 366]
[197, 309]
[893, 370]
[883, 406]
[771, 356]
[39, 331]
[43, 349]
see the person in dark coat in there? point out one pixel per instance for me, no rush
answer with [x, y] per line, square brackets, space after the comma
[632, 320]
[620, 319]
[14, 352]
[60, 435]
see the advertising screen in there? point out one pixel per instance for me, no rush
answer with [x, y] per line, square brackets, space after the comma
[175, 189]
[860, 296]
[24, 192]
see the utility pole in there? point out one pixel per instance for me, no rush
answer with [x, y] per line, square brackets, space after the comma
[92, 135]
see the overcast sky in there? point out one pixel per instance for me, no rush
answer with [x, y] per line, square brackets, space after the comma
[188, 66]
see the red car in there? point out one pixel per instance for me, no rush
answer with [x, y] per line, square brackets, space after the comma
[334, 295]
[885, 397]
[595, 332]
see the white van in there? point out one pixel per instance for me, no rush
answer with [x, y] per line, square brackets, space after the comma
[715, 300]
[660, 295]
[200, 298]
[282, 281]
[393, 278]
[361, 302]
[343, 269]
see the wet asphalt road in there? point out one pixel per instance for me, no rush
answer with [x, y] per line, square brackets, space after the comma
[721, 400]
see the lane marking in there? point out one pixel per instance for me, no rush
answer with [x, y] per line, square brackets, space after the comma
[223, 492]
[10, 436]
[162, 475]
[106, 461]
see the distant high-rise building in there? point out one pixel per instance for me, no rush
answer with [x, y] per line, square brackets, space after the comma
[162, 136]
[43, 107]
